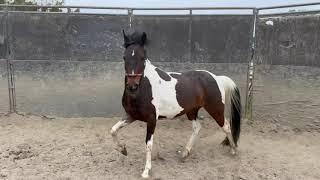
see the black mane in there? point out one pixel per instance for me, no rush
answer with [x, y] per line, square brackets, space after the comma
[134, 37]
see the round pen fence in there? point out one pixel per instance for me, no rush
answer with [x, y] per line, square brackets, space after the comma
[70, 64]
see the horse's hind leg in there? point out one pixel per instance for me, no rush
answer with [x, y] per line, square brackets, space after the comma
[226, 128]
[196, 126]
[218, 114]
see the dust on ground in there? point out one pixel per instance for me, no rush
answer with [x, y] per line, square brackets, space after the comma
[34, 147]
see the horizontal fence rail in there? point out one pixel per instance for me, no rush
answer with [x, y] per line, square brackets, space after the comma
[132, 8]
[288, 6]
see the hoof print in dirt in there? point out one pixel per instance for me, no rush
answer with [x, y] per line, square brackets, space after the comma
[22, 151]
[3, 175]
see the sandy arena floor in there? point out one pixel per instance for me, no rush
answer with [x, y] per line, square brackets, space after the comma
[32, 147]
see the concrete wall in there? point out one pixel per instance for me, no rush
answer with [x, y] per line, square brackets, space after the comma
[69, 89]
[198, 39]
[287, 75]
[88, 88]
[4, 99]
[221, 39]
[288, 95]
[2, 35]
[168, 37]
[66, 37]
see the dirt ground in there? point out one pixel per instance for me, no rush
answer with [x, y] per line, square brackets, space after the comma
[34, 147]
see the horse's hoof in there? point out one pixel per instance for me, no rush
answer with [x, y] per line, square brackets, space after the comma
[185, 153]
[124, 151]
[233, 151]
[145, 174]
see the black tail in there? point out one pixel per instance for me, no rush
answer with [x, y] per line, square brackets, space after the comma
[235, 119]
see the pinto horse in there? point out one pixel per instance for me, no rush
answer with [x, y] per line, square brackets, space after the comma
[151, 94]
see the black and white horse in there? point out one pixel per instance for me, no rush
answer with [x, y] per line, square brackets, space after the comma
[151, 94]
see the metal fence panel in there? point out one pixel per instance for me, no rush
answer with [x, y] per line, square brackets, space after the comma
[35, 36]
[289, 40]
[97, 37]
[221, 39]
[168, 37]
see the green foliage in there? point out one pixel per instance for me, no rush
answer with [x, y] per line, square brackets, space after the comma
[54, 9]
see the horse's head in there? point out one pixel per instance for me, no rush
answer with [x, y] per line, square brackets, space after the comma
[134, 58]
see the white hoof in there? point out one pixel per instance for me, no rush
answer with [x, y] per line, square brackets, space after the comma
[145, 174]
[185, 153]
[233, 151]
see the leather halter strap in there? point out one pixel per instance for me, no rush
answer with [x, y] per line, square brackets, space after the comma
[134, 75]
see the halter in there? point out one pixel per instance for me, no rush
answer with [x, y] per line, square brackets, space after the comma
[134, 75]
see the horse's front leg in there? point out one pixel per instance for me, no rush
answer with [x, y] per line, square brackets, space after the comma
[114, 132]
[149, 142]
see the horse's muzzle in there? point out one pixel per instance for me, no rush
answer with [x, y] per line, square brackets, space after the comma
[133, 88]
[133, 82]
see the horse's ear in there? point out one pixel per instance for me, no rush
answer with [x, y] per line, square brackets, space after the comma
[125, 38]
[143, 38]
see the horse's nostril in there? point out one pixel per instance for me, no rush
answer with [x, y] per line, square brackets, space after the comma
[133, 87]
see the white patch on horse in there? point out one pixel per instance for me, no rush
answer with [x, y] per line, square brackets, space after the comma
[226, 87]
[164, 97]
[132, 72]
[226, 126]
[132, 53]
[227, 129]
[174, 73]
[225, 84]
[196, 126]
[114, 130]
[147, 168]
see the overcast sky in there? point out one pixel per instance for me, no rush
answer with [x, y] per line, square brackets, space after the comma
[190, 3]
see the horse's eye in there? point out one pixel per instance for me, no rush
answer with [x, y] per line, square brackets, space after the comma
[124, 58]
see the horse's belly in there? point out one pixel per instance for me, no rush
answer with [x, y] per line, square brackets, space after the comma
[169, 111]
[168, 108]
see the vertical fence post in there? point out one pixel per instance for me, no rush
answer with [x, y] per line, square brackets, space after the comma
[250, 72]
[11, 87]
[10, 67]
[190, 42]
[130, 14]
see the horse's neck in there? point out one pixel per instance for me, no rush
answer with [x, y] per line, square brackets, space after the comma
[149, 68]
[149, 64]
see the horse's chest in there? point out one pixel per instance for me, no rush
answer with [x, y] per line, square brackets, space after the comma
[139, 109]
